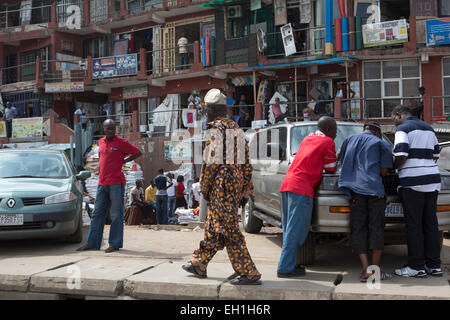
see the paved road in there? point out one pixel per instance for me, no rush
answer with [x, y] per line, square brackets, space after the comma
[150, 267]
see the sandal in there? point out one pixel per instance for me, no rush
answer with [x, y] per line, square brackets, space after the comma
[383, 276]
[244, 281]
[195, 270]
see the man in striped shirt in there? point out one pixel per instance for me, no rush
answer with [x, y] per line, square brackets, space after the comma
[416, 151]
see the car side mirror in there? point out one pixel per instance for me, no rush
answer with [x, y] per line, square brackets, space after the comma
[83, 175]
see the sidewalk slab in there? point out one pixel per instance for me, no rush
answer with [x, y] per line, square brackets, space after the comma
[315, 285]
[99, 276]
[15, 273]
[398, 288]
[170, 281]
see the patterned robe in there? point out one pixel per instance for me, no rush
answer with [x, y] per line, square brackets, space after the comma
[224, 182]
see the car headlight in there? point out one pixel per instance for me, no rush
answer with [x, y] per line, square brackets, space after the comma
[329, 183]
[445, 182]
[60, 197]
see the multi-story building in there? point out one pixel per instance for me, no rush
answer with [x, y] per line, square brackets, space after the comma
[128, 53]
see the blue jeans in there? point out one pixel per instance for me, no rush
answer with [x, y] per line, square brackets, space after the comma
[153, 205]
[161, 210]
[297, 211]
[107, 198]
[171, 212]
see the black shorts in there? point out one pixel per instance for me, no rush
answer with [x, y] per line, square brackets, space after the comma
[180, 203]
[367, 222]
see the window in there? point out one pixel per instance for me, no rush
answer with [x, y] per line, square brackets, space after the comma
[28, 62]
[446, 83]
[99, 10]
[444, 8]
[95, 48]
[62, 6]
[390, 82]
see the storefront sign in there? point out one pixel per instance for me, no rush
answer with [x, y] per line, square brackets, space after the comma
[177, 150]
[2, 129]
[56, 87]
[137, 91]
[438, 32]
[385, 33]
[27, 128]
[119, 66]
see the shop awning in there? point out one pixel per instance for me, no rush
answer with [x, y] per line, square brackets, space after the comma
[219, 3]
[303, 63]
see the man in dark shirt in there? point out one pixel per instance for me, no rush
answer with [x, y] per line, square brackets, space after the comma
[244, 113]
[162, 199]
[364, 159]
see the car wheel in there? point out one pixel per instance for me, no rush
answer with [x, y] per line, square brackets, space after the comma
[77, 237]
[251, 223]
[306, 254]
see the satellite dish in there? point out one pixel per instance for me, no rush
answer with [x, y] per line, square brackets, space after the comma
[261, 37]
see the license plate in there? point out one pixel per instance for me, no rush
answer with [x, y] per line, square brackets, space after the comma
[11, 219]
[394, 210]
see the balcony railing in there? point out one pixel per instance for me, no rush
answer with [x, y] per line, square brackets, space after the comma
[25, 16]
[169, 60]
[23, 72]
[63, 70]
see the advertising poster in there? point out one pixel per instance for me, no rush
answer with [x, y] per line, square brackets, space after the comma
[177, 150]
[438, 32]
[2, 129]
[119, 66]
[137, 91]
[385, 33]
[27, 128]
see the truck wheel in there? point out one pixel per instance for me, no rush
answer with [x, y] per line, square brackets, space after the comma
[306, 254]
[77, 237]
[251, 223]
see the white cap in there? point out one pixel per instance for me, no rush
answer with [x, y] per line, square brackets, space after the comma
[214, 96]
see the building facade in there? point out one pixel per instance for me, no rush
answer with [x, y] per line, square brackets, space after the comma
[152, 61]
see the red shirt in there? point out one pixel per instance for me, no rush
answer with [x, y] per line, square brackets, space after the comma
[112, 153]
[180, 190]
[316, 152]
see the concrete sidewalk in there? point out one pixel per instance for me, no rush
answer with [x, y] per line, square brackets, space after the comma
[149, 267]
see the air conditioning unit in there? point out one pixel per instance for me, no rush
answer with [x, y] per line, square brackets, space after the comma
[234, 12]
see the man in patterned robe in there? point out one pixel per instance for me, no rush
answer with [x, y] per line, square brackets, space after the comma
[226, 184]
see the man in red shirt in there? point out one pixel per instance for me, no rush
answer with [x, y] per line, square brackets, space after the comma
[114, 151]
[316, 152]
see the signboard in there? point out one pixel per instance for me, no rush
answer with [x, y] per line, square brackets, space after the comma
[119, 66]
[2, 129]
[137, 91]
[177, 150]
[438, 32]
[27, 128]
[56, 87]
[25, 12]
[385, 33]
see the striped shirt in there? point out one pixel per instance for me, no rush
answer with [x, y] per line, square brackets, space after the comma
[417, 141]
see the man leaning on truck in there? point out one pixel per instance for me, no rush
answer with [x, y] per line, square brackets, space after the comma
[316, 152]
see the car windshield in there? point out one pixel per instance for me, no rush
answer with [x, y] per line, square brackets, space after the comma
[32, 165]
[343, 131]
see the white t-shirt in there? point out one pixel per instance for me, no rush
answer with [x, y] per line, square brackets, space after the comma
[171, 190]
[182, 44]
[82, 114]
[138, 192]
[196, 190]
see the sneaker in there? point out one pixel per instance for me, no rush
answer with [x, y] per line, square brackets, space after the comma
[435, 272]
[409, 272]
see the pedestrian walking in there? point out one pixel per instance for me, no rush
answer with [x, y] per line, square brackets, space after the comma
[114, 151]
[226, 187]
[81, 113]
[364, 159]
[316, 153]
[181, 200]
[162, 184]
[416, 150]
